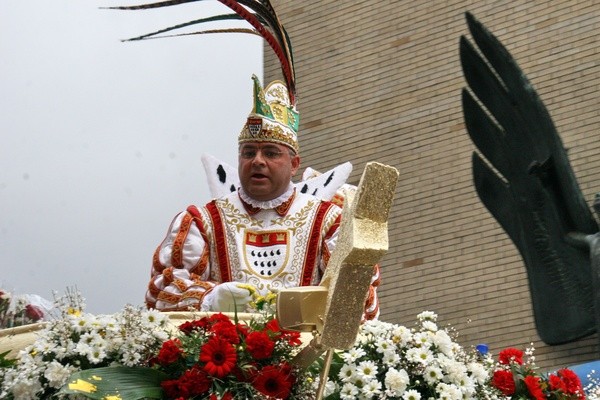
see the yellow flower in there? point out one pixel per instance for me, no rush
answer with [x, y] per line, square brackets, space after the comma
[82, 386]
[74, 311]
[249, 288]
[115, 397]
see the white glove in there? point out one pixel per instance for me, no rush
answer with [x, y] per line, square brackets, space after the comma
[227, 297]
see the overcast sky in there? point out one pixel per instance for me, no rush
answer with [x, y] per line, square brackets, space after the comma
[101, 140]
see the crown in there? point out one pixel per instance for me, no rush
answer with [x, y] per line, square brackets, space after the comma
[273, 118]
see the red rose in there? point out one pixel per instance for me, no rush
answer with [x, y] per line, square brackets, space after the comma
[509, 355]
[169, 352]
[34, 313]
[219, 357]
[259, 345]
[274, 381]
[503, 380]
[534, 388]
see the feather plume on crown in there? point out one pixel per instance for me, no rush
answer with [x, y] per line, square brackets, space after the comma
[260, 14]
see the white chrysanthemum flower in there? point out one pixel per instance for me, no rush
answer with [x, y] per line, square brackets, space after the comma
[390, 358]
[330, 388]
[433, 375]
[367, 370]
[411, 395]
[383, 344]
[349, 391]
[57, 374]
[372, 389]
[478, 372]
[421, 355]
[95, 355]
[429, 326]
[444, 342]
[131, 358]
[25, 388]
[424, 338]
[347, 373]
[396, 382]
[401, 335]
[456, 371]
[448, 392]
[353, 354]
[427, 316]
[82, 323]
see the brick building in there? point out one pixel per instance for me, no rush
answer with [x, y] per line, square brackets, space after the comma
[381, 81]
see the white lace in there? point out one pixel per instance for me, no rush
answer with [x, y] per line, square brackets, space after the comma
[267, 204]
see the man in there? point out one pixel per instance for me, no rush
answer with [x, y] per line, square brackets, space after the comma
[266, 234]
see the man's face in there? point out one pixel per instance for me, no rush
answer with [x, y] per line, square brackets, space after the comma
[265, 169]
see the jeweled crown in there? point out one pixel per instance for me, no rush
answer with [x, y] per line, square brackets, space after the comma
[273, 118]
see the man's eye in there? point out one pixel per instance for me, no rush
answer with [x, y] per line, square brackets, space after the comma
[271, 154]
[249, 153]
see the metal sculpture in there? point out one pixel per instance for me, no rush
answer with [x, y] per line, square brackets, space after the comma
[523, 177]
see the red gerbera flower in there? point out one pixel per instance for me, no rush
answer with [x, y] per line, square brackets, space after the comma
[509, 355]
[259, 345]
[219, 357]
[274, 381]
[504, 381]
[534, 388]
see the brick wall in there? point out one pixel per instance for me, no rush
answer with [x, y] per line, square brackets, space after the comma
[381, 81]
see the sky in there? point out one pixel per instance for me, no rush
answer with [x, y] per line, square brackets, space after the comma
[101, 139]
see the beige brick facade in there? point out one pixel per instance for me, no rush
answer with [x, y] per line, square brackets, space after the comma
[381, 81]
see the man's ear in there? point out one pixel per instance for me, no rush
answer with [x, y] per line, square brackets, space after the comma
[295, 164]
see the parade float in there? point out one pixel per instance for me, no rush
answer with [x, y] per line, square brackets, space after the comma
[305, 343]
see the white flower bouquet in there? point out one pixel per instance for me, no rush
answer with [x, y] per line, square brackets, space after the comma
[391, 361]
[75, 340]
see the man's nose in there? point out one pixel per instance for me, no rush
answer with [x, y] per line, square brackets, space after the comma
[258, 158]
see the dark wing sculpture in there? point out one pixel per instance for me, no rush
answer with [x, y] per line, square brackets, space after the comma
[528, 185]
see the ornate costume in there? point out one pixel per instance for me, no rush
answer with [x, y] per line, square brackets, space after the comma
[285, 242]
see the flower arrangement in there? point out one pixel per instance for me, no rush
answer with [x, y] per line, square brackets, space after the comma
[74, 341]
[139, 354]
[215, 357]
[21, 309]
[515, 375]
[391, 361]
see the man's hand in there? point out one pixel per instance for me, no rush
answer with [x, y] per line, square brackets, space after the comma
[228, 297]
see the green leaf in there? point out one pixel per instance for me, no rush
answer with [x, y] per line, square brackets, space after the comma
[6, 362]
[116, 383]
